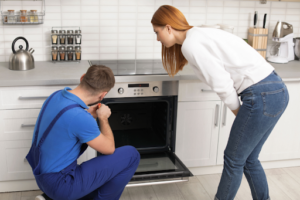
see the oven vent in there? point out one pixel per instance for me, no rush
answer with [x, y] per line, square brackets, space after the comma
[126, 119]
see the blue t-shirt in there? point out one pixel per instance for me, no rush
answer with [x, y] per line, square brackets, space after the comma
[74, 127]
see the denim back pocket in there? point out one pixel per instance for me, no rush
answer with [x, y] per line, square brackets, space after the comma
[274, 102]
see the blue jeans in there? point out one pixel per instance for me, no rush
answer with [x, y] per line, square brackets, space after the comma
[263, 105]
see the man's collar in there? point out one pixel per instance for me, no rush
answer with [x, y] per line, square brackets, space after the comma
[73, 97]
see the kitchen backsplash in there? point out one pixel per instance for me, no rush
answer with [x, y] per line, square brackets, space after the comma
[121, 29]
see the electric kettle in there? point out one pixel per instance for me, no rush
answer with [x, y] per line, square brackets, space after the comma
[21, 60]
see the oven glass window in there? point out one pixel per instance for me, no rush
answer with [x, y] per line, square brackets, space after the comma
[142, 125]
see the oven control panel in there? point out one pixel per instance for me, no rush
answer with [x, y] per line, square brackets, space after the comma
[157, 88]
[138, 92]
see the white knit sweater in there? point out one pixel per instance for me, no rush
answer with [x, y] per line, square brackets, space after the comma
[225, 62]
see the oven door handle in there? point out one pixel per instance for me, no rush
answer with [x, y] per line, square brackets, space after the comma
[156, 183]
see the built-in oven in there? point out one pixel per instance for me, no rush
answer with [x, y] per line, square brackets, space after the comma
[143, 115]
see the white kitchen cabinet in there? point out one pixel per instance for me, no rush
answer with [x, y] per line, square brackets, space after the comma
[284, 141]
[227, 119]
[14, 166]
[195, 90]
[197, 132]
[17, 124]
[19, 110]
[26, 97]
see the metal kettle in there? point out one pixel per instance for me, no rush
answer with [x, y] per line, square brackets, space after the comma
[21, 60]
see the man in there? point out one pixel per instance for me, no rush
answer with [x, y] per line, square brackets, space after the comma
[64, 129]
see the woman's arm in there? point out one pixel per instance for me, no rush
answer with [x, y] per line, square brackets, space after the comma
[235, 112]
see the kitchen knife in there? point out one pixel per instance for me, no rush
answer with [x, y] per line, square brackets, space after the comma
[265, 18]
[255, 19]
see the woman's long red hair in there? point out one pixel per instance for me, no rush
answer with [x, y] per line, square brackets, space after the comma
[172, 58]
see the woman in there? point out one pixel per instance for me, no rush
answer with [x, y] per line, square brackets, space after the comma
[231, 68]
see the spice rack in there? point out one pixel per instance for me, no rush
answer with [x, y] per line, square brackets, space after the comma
[66, 44]
[23, 17]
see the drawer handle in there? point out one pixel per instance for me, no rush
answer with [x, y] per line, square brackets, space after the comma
[217, 115]
[202, 90]
[224, 115]
[28, 125]
[30, 98]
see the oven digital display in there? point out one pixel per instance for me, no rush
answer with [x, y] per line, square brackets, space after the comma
[138, 85]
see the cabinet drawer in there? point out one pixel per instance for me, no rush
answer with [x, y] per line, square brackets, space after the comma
[26, 97]
[17, 124]
[14, 166]
[196, 91]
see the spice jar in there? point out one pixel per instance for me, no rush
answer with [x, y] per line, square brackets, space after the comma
[77, 53]
[70, 53]
[70, 36]
[33, 16]
[54, 37]
[62, 37]
[54, 53]
[23, 16]
[62, 53]
[11, 18]
[77, 36]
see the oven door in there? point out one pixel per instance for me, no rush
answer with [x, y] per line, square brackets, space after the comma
[159, 168]
[149, 124]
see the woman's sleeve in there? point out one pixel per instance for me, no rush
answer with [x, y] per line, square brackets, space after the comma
[211, 66]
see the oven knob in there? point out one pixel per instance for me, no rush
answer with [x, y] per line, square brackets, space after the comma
[155, 89]
[120, 90]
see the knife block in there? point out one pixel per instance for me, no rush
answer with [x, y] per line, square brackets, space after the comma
[258, 39]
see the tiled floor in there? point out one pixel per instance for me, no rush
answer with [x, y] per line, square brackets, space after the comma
[284, 184]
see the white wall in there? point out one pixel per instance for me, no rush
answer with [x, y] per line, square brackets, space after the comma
[121, 29]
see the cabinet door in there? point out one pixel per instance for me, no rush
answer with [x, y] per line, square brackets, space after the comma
[227, 119]
[14, 165]
[17, 124]
[284, 141]
[197, 132]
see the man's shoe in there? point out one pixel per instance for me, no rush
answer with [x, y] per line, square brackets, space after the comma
[43, 197]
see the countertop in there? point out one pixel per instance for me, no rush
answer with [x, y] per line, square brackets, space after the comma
[49, 73]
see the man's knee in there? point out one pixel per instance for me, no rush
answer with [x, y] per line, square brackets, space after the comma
[130, 151]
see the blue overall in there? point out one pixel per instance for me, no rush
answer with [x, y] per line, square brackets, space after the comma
[103, 177]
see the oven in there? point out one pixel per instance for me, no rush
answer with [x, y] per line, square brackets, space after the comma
[144, 116]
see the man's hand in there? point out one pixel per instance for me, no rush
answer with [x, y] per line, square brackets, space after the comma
[235, 112]
[105, 142]
[103, 112]
[92, 110]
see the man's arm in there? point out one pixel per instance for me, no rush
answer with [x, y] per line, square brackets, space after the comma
[105, 142]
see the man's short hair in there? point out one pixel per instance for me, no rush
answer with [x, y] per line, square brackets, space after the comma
[98, 78]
